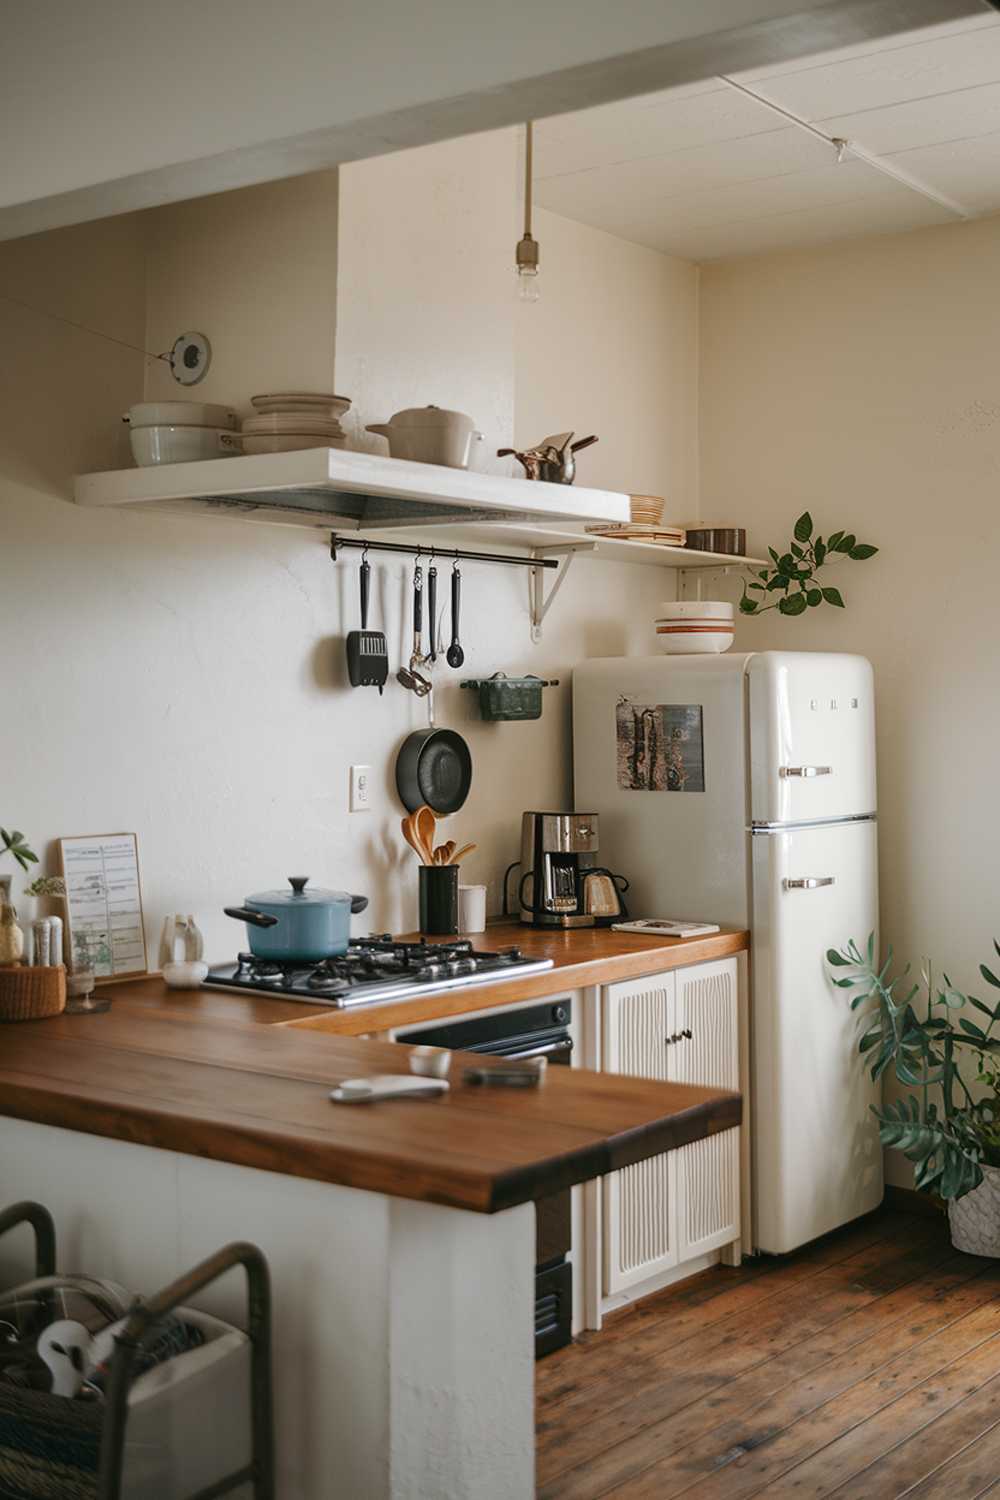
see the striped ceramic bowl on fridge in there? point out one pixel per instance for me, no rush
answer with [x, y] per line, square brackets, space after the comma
[693, 626]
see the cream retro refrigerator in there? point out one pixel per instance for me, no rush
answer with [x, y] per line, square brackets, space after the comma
[741, 789]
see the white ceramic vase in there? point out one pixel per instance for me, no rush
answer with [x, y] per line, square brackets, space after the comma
[975, 1219]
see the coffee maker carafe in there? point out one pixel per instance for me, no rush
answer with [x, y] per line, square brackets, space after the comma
[557, 849]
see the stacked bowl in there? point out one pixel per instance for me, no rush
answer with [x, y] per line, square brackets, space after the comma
[287, 420]
[688, 627]
[177, 432]
[646, 510]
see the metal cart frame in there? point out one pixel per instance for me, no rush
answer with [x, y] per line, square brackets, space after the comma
[142, 1316]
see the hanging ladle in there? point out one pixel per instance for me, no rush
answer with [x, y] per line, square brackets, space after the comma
[455, 656]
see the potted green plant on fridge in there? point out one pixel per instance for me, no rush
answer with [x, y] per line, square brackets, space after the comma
[947, 1123]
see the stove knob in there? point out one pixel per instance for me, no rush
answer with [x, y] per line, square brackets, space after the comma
[462, 966]
[560, 1014]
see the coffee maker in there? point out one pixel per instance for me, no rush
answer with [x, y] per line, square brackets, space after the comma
[557, 850]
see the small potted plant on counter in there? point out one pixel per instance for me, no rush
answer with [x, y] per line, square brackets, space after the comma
[950, 1134]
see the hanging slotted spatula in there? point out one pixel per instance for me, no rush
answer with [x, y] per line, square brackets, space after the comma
[367, 651]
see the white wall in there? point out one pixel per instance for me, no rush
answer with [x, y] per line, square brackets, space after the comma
[185, 678]
[257, 271]
[425, 294]
[863, 383]
[611, 347]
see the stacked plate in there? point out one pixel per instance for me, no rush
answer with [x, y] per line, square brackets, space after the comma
[287, 420]
[174, 432]
[689, 627]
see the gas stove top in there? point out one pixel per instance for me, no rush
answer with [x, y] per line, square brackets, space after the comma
[376, 969]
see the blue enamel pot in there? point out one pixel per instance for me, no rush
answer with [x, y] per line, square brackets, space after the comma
[298, 924]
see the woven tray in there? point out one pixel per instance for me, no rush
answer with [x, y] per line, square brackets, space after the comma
[28, 994]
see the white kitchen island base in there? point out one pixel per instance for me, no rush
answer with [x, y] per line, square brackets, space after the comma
[403, 1331]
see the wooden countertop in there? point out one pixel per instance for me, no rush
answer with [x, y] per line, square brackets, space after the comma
[201, 1074]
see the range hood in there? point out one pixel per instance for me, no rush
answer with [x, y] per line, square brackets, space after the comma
[333, 489]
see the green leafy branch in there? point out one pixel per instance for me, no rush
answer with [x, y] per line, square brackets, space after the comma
[14, 843]
[946, 1142]
[793, 574]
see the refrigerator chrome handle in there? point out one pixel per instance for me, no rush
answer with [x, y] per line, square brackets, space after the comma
[809, 882]
[806, 772]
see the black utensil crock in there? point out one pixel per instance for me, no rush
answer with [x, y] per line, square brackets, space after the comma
[438, 900]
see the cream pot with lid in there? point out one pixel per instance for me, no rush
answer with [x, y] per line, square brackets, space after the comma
[430, 435]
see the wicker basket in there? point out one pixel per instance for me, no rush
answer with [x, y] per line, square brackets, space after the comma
[28, 994]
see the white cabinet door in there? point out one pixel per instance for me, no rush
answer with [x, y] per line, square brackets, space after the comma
[640, 1236]
[706, 1050]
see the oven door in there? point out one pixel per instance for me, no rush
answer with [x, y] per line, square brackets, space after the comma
[535, 1031]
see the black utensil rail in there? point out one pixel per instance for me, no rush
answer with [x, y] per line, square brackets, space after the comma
[456, 554]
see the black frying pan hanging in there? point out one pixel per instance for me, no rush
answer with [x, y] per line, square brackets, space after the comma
[434, 769]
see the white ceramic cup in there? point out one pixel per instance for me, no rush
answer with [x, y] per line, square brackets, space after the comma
[472, 908]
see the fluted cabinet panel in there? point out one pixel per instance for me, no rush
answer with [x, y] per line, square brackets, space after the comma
[682, 1027]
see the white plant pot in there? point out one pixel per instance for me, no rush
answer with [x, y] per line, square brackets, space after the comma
[975, 1219]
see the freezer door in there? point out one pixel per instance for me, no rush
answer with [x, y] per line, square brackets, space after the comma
[659, 753]
[816, 1153]
[812, 736]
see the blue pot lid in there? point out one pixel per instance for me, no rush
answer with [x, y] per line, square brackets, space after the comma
[298, 895]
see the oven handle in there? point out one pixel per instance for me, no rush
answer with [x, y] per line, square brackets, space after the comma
[551, 1049]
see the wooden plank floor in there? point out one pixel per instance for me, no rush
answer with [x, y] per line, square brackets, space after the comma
[866, 1366]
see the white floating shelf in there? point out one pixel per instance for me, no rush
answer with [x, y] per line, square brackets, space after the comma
[554, 539]
[336, 489]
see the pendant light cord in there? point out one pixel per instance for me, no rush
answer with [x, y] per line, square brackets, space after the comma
[529, 153]
[81, 327]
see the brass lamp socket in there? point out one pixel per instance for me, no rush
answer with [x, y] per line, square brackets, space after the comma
[527, 254]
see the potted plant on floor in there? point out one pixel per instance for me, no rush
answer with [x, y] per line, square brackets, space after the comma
[950, 1134]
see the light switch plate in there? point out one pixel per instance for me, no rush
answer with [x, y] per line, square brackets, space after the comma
[361, 778]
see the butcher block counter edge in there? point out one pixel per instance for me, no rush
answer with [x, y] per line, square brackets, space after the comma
[164, 1070]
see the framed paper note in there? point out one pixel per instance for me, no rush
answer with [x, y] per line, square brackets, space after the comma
[104, 904]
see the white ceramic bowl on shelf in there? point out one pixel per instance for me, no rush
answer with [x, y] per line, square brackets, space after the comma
[182, 445]
[694, 627]
[181, 414]
[288, 442]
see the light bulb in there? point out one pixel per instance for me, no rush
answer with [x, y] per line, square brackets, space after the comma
[527, 284]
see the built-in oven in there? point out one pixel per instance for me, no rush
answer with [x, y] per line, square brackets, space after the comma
[543, 1030]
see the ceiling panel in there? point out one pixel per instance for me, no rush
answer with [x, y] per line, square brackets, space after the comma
[877, 79]
[922, 122]
[807, 227]
[966, 170]
[696, 169]
[710, 171]
[655, 219]
[653, 125]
